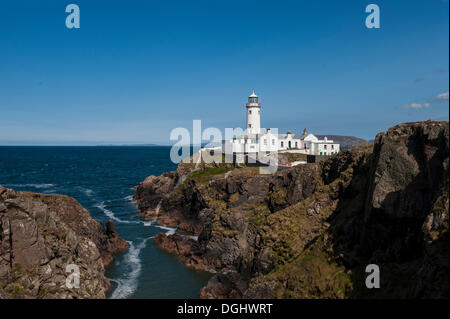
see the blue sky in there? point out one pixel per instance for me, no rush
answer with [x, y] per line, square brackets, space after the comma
[137, 69]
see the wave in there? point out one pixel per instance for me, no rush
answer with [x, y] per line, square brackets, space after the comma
[111, 215]
[127, 286]
[170, 230]
[86, 191]
[40, 186]
[149, 223]
[129, 198]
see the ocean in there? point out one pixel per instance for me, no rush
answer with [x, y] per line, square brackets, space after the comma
[102, 179]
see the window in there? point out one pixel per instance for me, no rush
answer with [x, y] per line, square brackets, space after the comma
[325, 146]
[249, 125]
[282, 144]
[332, 146]
[265, 142]
[296, 144]
[259, 112]
[250, 112]
[273, 142]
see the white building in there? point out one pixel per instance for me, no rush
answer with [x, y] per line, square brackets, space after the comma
[254, 141]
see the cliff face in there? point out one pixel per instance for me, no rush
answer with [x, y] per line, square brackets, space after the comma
[311, 230]
[40, 234]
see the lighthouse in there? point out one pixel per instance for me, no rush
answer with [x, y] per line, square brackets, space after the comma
[253, 114]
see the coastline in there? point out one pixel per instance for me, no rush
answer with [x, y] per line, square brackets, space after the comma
[257, 232]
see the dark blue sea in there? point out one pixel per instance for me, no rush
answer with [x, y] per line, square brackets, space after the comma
[102, 180]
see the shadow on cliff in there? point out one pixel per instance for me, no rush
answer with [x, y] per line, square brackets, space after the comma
[395, 236]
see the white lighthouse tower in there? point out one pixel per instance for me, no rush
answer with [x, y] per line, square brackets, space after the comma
[253, 114]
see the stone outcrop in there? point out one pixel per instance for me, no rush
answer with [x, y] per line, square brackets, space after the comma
[40, 234]
[310, 231]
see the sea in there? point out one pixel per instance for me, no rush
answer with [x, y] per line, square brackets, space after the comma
[101, 178]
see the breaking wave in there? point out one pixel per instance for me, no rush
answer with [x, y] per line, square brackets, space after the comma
[111, 215]
[127, 285]
[149, 223]
[88, 192]
[170, 230]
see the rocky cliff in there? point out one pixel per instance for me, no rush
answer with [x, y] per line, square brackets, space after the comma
[40, 234]
[311, 230]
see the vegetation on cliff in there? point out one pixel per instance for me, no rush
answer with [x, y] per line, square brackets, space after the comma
[311, 230]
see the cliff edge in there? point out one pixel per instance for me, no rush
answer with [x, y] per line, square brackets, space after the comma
[40, 234]
[310, 231]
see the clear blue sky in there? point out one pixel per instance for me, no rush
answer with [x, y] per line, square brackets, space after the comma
[137, 69]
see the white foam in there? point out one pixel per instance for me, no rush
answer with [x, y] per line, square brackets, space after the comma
[111, 215]
[149, 223]
[170, 230]
[86, 191]
[127, 286]
[129, 198]
[48, 191]
[30, 185]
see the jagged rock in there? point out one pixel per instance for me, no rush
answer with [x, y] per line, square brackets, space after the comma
[152, 191]
[309, 231]
[185, 248]
[228, 284]
[40, 234]
[409, 172]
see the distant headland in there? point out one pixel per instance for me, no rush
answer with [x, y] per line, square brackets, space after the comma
[129, 145]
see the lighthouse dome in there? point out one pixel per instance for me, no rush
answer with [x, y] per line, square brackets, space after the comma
[253, 94]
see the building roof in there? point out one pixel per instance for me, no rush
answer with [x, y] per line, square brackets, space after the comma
[249, 135]
[280, 136]
[253, 94]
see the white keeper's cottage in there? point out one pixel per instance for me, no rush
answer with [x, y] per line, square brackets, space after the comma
[254, 140]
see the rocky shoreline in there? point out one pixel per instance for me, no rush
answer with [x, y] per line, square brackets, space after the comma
[309, 231]
[40, 234]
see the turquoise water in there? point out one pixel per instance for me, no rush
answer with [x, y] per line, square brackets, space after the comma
[102, 180]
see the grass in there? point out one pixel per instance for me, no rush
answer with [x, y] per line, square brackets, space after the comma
[310, 275]
[204, 176]
[293, 157]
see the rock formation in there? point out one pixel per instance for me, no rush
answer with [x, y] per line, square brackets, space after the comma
[310, 231]
[40, 234]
